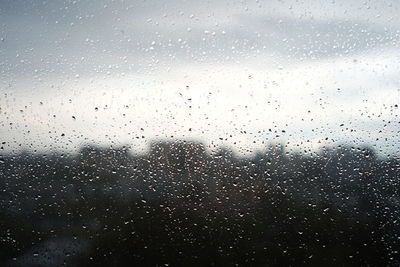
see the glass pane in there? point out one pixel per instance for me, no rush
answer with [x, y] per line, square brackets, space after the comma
[206, 133]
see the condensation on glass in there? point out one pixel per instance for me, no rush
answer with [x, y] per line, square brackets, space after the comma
[192, 133]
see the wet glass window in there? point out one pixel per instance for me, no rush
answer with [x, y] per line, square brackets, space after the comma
[199, 133]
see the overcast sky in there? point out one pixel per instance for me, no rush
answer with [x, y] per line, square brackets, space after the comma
[240, 73]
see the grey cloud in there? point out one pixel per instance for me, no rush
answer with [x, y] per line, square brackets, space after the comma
[67, 37]
[317, 39]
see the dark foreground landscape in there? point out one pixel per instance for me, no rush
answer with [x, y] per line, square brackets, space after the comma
[179, 205]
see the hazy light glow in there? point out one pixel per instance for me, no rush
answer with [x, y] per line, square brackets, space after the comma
[232, 73]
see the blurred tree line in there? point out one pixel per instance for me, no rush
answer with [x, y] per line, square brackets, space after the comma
[178, 205]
